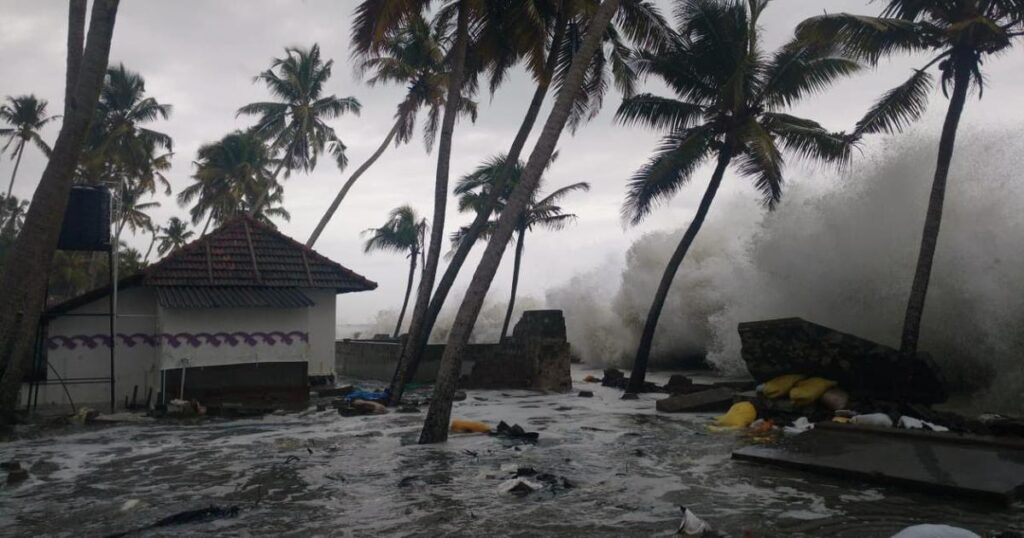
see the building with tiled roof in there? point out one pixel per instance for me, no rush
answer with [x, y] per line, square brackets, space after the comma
[242, 315]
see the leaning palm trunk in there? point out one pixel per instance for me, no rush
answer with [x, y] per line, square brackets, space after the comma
[515, 285]
[933, 218]
[408, 291]
[420, 328]
[206, 226]
[265, 194]
[149, 250]
[643, 352]
[351, 181]
[24, 278]
[435, 427]
[17, 162]
[452, 105]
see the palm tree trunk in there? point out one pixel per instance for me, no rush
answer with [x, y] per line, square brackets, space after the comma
[206, 226]
[444, 151]
[515, 286]
[408, 291]
[24, 278]
[933, 218]
[435, 427]
[17, 162]
[76, 41]
[149, 250]
[348, 185]
[643, 352]
[255, 209]
[419, 329]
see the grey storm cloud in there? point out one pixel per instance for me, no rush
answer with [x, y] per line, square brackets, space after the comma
[200, 56]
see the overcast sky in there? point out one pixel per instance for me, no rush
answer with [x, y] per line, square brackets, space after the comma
[200, 56]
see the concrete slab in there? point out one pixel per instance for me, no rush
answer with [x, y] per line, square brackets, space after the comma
[982, 468]
[709, 400]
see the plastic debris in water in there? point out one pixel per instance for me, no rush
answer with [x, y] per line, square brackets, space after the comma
[873, 419]
[691, 525]
[911, 423]
[934, 531]
[800, 425]
[519, 486]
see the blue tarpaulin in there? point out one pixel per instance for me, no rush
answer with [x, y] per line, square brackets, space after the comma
[368, 395]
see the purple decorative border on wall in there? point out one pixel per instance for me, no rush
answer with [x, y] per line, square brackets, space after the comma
[178, 339]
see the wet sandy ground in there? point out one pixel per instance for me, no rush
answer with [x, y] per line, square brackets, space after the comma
[320, 474]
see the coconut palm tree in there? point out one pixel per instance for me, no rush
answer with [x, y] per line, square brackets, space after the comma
[175, 235]
[12, 217]
[474, 190]
[404, 232]
[231, 175]
[435, 427]
[134, 213]
[412, 55]
[957, 35]
[121, 148]
[545, 35]
[25, 274]
[26, 115]
[296, 124]
[729, 108]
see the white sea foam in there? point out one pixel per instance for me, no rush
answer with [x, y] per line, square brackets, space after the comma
[840, 251]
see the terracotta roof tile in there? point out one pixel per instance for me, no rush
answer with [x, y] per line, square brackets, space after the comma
[224, 258]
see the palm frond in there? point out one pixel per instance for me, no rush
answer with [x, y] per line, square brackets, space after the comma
[809, 140]
[866, 38]
[899, 107]
[674, 162]
[658, 112]
[762, 161]
[798, 70]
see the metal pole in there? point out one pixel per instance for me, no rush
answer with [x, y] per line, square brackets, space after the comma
[115, 210]
[112, 270]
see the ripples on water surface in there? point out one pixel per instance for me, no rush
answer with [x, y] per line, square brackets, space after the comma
[365, 476]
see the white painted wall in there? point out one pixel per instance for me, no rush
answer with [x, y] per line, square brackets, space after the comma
[134, 365]
[321, 331]
[140, 364]
[232, 320]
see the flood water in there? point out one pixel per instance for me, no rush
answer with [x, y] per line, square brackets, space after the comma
[320, 474]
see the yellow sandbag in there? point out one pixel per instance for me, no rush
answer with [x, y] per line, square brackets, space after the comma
[469, 426]
[780, 386]
[740, 415]
[809, 390]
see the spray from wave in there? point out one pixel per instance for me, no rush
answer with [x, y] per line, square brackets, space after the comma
[840, 251]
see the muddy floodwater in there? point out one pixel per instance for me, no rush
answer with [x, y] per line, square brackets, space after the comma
[622, 470]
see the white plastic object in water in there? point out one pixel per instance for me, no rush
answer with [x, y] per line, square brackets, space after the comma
[800, 425]
[691, 525]
[912, 423]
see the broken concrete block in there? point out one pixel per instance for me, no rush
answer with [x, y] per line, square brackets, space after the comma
[17, 475]
[614, 378]
[867, 369]
[708, 400]
[679, 384]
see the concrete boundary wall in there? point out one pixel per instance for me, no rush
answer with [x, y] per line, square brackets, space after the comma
[535, 357]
